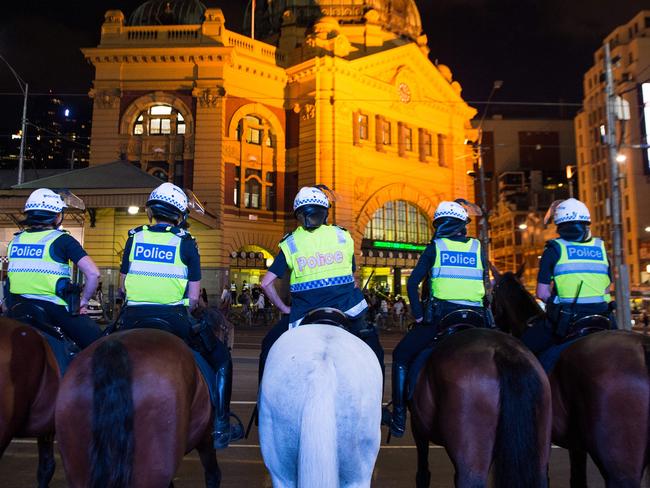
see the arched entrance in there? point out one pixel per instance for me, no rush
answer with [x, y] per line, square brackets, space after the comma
[393, 240]
[248, 265]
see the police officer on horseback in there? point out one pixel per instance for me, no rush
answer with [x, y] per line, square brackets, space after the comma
[574, 276]
[161, 279]
[320, 260]
[454, 265]
[40, 270]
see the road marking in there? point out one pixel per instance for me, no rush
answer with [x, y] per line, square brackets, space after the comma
[257, 446]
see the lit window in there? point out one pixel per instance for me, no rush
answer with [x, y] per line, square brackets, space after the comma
[399, 221]
[408, 138]
[161, 110]
[158, 120]
[385, 133]
[254, 136]
[363, 127]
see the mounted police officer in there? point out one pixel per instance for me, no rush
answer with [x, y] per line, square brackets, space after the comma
[455, 265]
[161, 278]
[40, 272]
[320, 260]
[577, 264]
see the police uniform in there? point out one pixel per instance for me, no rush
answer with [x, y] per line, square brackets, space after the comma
[322, 264]
[581, 273]
[456, 266]
[167, 257]
[39, 270]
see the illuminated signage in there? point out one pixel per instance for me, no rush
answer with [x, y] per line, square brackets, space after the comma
[645, 125]
[401, 246]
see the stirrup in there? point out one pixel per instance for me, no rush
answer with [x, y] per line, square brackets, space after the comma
[226, 433]
[386, 415]
[398, 429]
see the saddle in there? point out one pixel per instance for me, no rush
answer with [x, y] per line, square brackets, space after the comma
[587, 325]
[336, 318]
[64, 348]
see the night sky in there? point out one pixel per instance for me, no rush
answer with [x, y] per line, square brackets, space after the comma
[540, 48]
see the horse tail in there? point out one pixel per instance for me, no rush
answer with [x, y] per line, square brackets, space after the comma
[516, 451]
[112, 422]
[318, 450]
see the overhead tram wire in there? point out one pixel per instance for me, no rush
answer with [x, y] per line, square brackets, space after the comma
[373, 100]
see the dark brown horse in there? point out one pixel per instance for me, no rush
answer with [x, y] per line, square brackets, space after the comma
[486, 399]
[601, 393]
[29, 381]
[129, 408]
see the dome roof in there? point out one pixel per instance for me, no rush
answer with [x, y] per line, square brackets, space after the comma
[168, 12]
[399, 16]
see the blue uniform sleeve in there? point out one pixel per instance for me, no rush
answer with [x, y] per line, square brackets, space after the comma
[550, 257]
[124, 268]
[354, 264]
[279, 266]
[419, 273]
[191, 258]
[67, 248]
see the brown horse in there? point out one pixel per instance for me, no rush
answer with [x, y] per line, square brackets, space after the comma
[601, 393]
[130, 406]
[29, 381]
[486, 399]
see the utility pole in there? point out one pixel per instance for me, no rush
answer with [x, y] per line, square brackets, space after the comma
[24, 87]
[253, 8]
[621, 278]
[484, 235]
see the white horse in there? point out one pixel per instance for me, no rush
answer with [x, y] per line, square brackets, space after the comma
[320, 409]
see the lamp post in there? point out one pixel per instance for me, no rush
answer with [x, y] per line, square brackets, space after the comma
[622, 279]
[484, 231]
[24, 87]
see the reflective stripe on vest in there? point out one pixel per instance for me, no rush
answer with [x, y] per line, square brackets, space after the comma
[32, 272]
[582, 266]
[457, 273]
[157, 275]
[318, 259]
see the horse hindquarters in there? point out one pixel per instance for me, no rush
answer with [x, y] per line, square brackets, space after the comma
[615, 402]
[522, 444]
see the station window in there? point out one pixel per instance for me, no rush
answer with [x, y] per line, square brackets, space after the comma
[399, 221]
[363, 127]
[159, 120]
[386, 132]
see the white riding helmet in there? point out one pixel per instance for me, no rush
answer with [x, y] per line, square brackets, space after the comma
[571, 210]
[45, 200]
[451, 209]
[309, 195]
[170, 194]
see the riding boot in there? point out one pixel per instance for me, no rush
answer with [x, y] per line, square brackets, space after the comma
[398, 420]
[225, 433]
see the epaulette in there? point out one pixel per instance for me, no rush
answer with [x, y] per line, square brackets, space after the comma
[286, 236]
[182, 233]
[134, 231]
[342, 228]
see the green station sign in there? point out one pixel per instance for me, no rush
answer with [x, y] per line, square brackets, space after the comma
[398, 246]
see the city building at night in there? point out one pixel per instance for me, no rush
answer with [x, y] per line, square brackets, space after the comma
[630, 48]
[526, 161]
[342, 95]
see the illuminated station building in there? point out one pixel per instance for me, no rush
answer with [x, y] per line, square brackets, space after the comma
[340, 93]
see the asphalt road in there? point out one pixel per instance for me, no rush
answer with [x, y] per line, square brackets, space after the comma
[242, 464]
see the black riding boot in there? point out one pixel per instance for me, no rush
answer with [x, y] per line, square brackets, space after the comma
[398, 420]
[225, 433]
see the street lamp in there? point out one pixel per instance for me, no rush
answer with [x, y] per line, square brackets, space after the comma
[478, 151]
[24, 87]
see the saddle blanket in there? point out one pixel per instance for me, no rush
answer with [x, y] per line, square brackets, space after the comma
[62, 351]
[549, 357]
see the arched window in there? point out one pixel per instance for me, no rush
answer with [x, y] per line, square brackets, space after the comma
[161, 119]
[399, 221]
